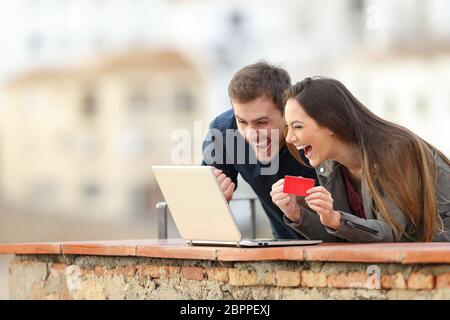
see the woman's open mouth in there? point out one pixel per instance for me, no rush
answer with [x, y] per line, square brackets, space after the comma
[307, 148]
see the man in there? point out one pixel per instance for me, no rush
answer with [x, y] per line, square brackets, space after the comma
[248, 140]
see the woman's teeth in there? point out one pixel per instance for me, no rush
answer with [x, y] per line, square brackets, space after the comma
[307, 148]
[303, 146]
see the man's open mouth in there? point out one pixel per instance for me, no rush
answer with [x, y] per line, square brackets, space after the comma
[262, 144]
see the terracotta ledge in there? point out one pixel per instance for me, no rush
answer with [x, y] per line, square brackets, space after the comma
[404, 253]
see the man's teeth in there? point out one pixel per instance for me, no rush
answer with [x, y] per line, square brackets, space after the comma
[261, 145]
[300, 147]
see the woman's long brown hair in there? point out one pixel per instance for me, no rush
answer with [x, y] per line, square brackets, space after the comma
[396, 163]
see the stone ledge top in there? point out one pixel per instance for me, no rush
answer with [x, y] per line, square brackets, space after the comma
[403, 253]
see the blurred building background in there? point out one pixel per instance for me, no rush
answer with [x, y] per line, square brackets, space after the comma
[91, 133]
[91, 92]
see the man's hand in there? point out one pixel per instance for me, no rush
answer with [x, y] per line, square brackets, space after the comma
[226, 184]
[286, 202]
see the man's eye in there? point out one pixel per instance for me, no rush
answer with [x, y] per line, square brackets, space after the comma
[262, 122]
[297, 127]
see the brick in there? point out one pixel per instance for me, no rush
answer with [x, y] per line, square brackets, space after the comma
[260, 254]
[148, 271]
[53, 296]
[242, 277]
[373, 281]
[393, 281]
[358, 252]
[99, 271]
[420, 281]
[269, 279]
[126, 271]
[58, 268]
[217, 274]
[348, 280]
[406, 253]
[180, 251]
[171, 271]
[89, 289]
[193, 273]
[312, 279]
[86, 272]
[102, 271]
[287, 278]
[101, 248]
[443, 281]
[31, 248]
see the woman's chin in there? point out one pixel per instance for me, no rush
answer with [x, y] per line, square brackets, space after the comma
[313, 162]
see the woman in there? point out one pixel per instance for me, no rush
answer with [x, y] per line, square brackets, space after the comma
[379, 181]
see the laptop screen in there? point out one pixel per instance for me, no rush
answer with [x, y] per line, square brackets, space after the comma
[196, 203]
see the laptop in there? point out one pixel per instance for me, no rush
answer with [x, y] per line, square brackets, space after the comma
[201, 212]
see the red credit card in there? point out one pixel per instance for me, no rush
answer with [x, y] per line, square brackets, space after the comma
[297, 185]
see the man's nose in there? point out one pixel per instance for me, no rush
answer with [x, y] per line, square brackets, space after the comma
[251, 134]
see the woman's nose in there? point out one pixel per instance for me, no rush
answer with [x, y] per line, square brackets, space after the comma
[290, 138]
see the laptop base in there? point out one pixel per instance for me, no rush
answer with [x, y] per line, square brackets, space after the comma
[255, 243]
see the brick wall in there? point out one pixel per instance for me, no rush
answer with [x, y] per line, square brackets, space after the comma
[97, 277]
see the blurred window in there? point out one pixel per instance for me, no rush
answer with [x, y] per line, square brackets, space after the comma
[184, 102]
[34, 4]
[357, 18]
[304, 23]
[390, 107]
[357, 6]
[43, 190]
[86, 144]
[422, 22]
[100, 3]
[31, 102]
[236, 20]
[99, 42]
[91, 190]
[137, 5]
[138, 101]
[35, 43]
[140, 201]
[132, 143]
[421, 107]
[89, 107]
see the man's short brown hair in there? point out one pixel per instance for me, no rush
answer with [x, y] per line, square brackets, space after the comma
[258, 80]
